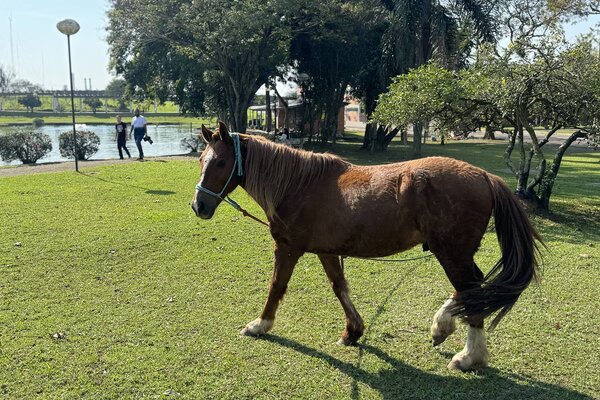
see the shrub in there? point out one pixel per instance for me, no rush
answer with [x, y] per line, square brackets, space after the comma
[193, 143]
[30, 101]
[93, 102]
[87, 144]
[37, 122]
[28, 147]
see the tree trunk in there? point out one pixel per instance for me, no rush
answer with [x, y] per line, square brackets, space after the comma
[489, 133]
[404, 136]
[239, 117]
[380, 138]
[390, 136]
[369, 138]
[547, 182]
[268, 122]
[329, 128]
[331, 114]
[417, 132]
[522, 171]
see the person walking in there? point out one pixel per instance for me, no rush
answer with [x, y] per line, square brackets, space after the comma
[138, 127]
[121, 137]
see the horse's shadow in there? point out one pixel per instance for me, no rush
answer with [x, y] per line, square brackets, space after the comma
[402, 381]
[156, 192]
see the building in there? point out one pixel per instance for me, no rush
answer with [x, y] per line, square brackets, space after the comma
[291, 117]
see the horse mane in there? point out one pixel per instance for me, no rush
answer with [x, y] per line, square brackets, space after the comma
[275, 171]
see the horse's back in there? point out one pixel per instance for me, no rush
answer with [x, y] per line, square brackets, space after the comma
[383, 209]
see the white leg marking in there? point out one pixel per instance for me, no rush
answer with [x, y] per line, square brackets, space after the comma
[257, 327]
[474, 355]
[444, 324]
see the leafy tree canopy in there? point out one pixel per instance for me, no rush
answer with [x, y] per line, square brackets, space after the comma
[173, 48]
[116, 88]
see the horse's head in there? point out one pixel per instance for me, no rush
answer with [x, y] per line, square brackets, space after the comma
[220, 170]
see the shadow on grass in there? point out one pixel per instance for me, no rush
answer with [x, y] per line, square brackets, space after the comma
[403, 381]
[583, 220]
[156, 192]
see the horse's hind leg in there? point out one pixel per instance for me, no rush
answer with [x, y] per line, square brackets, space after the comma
[354, 323]
[463, 274]
[444, 323]
[285, 261]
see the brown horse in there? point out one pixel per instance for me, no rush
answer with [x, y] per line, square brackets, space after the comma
[321, 204]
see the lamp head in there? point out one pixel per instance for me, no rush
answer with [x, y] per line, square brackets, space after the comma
[68, 27]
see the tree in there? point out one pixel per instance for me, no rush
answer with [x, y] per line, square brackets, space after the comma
[30, 101]
[26, 146]
[174, 47]
[411, 34]
[5, 78]
[116, 88]
[330, 44]
[551, 81]
[421, 95]
[93, 102]
[23, 86]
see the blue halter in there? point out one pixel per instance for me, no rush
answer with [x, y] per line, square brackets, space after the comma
[238, 162]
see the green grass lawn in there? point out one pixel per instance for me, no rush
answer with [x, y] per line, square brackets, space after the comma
[111, 288]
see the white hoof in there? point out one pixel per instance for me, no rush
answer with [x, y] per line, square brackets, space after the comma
[444, 324]
[474, 355]
[466, 362]
[345, 342]
[257, 327]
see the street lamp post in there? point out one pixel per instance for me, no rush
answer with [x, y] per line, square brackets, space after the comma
[70, 27]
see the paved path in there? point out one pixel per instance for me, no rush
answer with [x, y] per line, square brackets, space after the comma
[556, 139]
[70, 165]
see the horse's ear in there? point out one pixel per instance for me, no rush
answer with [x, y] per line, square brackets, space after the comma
[206, 134]
[224, 132]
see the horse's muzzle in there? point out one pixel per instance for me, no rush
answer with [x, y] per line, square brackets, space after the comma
[201, 210]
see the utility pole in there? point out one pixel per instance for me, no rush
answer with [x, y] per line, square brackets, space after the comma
[12, 51]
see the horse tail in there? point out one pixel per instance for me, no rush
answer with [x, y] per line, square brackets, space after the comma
[518, 265]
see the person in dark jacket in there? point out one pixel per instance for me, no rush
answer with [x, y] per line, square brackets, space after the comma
[121, 137]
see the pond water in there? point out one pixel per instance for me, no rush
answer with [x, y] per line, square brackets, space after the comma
[167, 141]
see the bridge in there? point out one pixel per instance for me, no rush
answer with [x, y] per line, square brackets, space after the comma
[63, 93]
[60, 94]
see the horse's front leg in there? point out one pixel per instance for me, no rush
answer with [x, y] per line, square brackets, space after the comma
[285, 261]
[354, 323]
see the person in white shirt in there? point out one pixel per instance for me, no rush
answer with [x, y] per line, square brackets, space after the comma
[138, 127]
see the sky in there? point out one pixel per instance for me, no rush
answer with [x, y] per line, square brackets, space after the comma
[39, 50]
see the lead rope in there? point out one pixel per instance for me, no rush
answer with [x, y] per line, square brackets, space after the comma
[245, 213]
[385, 260]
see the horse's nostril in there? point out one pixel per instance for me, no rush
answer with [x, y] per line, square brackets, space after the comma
[200, 206]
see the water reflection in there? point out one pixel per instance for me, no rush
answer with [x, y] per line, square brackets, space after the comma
[167, 141]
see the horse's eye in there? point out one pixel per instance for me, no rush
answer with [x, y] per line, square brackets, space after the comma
[221, 163]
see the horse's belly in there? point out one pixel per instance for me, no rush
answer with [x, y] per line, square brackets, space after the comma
[379, 232]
